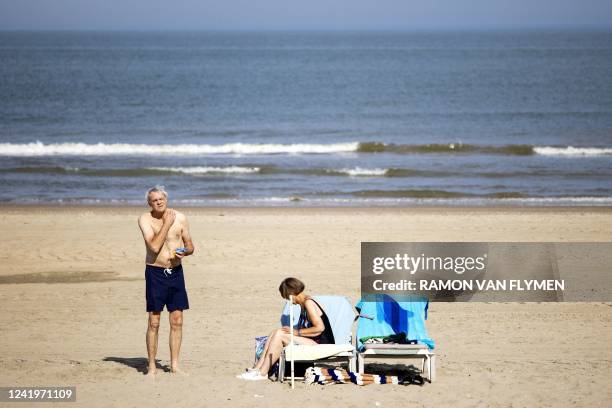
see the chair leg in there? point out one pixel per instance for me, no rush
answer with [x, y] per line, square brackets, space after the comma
[281, 367]
[351, 361]
[361, 362]
[432, 368]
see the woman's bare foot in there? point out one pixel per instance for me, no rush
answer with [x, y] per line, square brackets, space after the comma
[151, 372]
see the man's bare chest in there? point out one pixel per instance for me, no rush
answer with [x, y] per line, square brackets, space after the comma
[174, 233]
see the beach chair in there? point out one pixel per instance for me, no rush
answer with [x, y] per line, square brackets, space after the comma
[341, 317]
[384, 316]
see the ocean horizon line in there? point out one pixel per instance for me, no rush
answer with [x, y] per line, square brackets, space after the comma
[527, 29]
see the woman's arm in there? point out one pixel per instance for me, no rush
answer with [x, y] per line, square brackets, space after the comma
[317, 326]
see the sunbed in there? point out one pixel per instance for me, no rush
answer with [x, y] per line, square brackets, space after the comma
[341, 317]
[383, 316]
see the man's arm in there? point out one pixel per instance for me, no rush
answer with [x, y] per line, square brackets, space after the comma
[154, 241]
[187, 242]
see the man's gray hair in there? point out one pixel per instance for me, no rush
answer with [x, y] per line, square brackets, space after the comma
[156, 189]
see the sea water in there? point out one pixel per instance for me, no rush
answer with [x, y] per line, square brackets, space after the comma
[307, 118]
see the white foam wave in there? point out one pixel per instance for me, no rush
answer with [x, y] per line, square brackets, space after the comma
[208, 170]
[388, 201]
[115, 149]
[561, 200]
[572, 151]
[359, 172]
[339, 201]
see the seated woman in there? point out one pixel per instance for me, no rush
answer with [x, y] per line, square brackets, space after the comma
[313, 328]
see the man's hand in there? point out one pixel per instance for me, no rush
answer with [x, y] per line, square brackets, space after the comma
[169, 216]
[155, 240]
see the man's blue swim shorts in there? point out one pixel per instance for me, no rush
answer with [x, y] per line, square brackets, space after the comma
[165, 286]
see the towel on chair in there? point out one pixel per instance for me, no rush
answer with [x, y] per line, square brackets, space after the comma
[307, 352]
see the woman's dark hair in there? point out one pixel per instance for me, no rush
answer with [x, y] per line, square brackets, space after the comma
[291, 286]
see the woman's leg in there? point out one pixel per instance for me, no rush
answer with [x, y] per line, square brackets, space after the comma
[278, 340]
[265, 350]
[272, 352]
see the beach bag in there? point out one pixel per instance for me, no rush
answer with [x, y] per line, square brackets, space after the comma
[260, 343]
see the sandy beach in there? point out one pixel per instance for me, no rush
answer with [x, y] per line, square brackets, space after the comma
[72, 289]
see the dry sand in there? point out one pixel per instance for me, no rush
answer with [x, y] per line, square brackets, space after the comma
[72, 290]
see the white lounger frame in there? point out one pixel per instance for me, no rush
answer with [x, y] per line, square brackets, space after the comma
[425, 354]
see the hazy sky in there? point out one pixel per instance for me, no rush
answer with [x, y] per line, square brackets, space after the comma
[304, 14]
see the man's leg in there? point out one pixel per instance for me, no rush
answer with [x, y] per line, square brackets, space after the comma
[176, 335]
[152, 330]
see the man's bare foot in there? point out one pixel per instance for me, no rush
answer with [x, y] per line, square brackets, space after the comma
[151, 372]
[177, 370]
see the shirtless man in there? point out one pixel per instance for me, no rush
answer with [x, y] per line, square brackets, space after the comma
[164, 230]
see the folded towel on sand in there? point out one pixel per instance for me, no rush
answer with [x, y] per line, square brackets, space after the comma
[324, 376]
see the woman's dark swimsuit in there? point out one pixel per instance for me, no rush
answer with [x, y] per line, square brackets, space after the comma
[327, 337]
